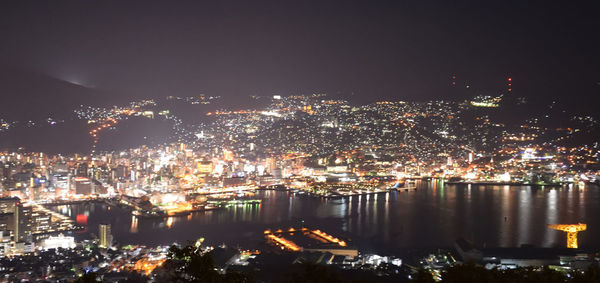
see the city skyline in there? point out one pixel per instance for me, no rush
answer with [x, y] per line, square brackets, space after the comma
[299, 141]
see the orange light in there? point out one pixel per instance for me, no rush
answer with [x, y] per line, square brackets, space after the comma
[285, 244]
[329, 238]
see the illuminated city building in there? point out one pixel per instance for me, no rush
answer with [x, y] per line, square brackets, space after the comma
[60, 241]
[15, 218]
[83, 186]
[105, 236]
[204, 167]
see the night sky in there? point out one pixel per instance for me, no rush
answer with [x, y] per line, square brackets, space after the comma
[364, 49]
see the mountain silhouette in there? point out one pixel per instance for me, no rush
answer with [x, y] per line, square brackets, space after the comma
[29, 95]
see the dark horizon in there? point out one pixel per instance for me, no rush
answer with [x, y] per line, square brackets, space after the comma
[358, 49]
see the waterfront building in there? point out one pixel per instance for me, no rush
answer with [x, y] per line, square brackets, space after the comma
[60, 241]
[105, 236]
[83, 186]
[15, 218]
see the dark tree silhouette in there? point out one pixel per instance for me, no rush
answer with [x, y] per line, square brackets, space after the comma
[90, 277]
[468, 273]
[423, 276]
[314, 273]
[591, 275]
[476, 273]
[190, 264]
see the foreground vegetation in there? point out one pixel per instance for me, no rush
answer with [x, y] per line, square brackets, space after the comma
[476, 273]
[191, 264]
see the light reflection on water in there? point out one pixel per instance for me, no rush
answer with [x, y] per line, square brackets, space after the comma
[434, 215]
[134, 225]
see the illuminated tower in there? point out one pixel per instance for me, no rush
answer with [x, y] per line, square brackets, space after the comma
[509, 84]
[453, 80]
[105, 236]
[572, 230]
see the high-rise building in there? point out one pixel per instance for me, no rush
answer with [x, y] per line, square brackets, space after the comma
[83, 186]
[204, 167]
[23, 223]
[7, 217]
[6, 243]
[15, 218]
[82, 170]
[7, 205]
[40, 222]
[105, 236]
